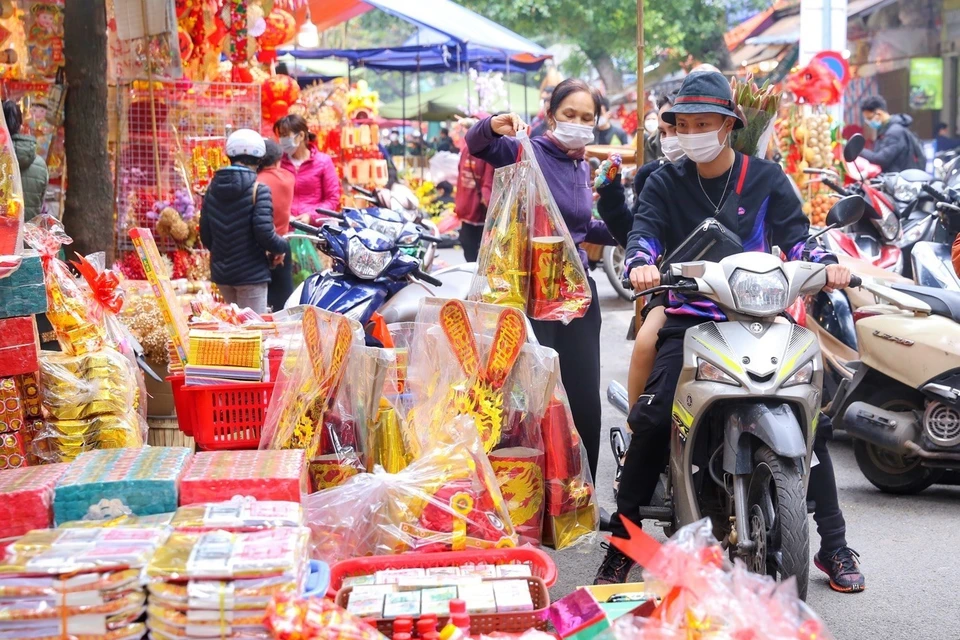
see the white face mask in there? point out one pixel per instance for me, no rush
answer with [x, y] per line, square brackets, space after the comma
[573, 136]
[650, 125]
[603, 121]
[671, 149]
[289, 144]
[701, 147]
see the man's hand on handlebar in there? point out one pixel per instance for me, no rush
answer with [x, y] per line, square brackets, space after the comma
[838, 277]
[645, 277]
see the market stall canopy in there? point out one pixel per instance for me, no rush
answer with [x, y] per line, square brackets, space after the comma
[448, 34]
[449, 101]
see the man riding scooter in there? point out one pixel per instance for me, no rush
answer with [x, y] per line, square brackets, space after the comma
[753, 198]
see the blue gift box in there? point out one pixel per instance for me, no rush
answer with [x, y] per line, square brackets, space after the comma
[23, 293]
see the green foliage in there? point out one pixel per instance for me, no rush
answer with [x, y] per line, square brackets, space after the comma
[673, 29]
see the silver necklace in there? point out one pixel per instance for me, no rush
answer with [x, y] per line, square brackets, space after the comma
[723, 194]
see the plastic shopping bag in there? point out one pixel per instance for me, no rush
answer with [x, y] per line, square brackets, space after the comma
[527, 258]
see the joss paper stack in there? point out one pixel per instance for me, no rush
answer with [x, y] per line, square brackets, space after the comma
[141, 481]
[89, 402]
[76, 583]
[224, 356]
[26, 498]
[215, 476]
[218, 584]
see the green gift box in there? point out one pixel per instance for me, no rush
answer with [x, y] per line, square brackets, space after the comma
[23, 293]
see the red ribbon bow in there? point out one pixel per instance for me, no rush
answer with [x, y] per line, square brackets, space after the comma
[104, 284]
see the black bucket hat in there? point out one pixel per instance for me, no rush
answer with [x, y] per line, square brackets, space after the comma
[704, 92]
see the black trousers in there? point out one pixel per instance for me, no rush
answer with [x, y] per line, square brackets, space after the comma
[578, 345]
[281, 283]
[650, 420]
[470, 237]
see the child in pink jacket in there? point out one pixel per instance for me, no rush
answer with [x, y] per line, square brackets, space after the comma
[317, 184]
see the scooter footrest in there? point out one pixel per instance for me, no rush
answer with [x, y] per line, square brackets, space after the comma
[656, 513]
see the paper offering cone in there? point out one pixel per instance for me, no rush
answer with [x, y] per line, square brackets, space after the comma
[519, 472]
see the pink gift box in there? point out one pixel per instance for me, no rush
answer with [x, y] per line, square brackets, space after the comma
[218, 476]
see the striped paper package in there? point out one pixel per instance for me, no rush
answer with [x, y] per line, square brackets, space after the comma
[26, 498]
[143, 481]
[217, 476]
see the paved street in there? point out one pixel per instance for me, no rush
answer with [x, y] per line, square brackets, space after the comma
[908, 545]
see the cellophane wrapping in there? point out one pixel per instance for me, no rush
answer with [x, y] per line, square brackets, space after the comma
[309, 381]
[352, 440]
[11, 211]
[528, 259]
[26, 498]
[76, 583]
[481, 362]
[448, 499]
[292, 618]
[90, 402]
[195, 580]
[70, 309]
[105, 484]
[238, 515]
[572, 512]
[704, 595]
[215, 476]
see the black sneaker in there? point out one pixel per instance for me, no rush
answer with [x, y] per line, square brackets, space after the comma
[615, 566]
[844, 570]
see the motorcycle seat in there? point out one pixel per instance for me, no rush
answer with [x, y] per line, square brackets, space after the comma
[916, 175]
[942, 302]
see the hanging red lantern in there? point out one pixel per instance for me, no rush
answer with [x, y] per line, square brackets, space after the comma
[277, 94]
[281, 29]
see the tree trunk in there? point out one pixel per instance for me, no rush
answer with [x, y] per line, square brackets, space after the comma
[611, 76]
[88, 213]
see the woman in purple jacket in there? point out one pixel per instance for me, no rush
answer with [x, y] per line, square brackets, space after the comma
[571, 118]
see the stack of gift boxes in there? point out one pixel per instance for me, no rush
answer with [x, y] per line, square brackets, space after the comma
[22, 297]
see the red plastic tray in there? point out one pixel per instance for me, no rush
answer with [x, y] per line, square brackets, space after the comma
[223, 416]
[541, 565]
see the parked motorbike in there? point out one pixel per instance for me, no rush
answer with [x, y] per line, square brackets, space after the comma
[399, 205]
[903, 405]
[872, 238]
[745, 408]
[371, 272]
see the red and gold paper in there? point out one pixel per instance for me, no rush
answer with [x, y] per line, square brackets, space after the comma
[19, 346]
[332, 470]
[519, 473]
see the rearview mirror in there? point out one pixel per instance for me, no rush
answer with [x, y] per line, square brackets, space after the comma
[846, 211]
[851, 150]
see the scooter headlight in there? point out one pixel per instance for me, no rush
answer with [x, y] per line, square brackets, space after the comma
[888, 226]
[759, 294]
[712, 373]
[906, 191]
[365, 263]
[803, 375]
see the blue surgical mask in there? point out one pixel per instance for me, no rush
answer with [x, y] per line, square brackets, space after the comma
[874, 124]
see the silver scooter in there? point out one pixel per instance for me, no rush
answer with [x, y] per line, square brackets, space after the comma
[746, 407]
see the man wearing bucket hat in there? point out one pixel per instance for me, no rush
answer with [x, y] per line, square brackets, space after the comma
[753, 198]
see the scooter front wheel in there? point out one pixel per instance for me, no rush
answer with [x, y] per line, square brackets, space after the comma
[777, 513]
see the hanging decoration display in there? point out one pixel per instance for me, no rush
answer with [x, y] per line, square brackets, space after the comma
[44, 36]
[277, 94]
[281, 28]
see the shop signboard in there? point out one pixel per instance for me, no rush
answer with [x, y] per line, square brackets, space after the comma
[926, 83]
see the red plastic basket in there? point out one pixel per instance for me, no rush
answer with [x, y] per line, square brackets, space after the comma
[485, 623]
[541, 565]
[223, 416]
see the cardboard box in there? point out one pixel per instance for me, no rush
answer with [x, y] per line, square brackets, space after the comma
[19, 346]
[370, 606]
[479, 598]
[160, 403]
[23, 292]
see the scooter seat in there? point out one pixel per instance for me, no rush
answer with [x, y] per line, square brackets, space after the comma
[942, 302]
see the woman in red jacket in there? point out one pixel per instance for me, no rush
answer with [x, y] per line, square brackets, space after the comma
[317, 184]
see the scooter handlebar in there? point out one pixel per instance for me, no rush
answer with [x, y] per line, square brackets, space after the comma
[936, 195]
[429, 238]
[362, 191]
[306, 228]
[426, 277]
[330, 213]
[856, 281]
[833, 185]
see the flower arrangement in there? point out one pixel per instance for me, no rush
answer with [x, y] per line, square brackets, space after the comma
[141, 314]
[759, 106]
